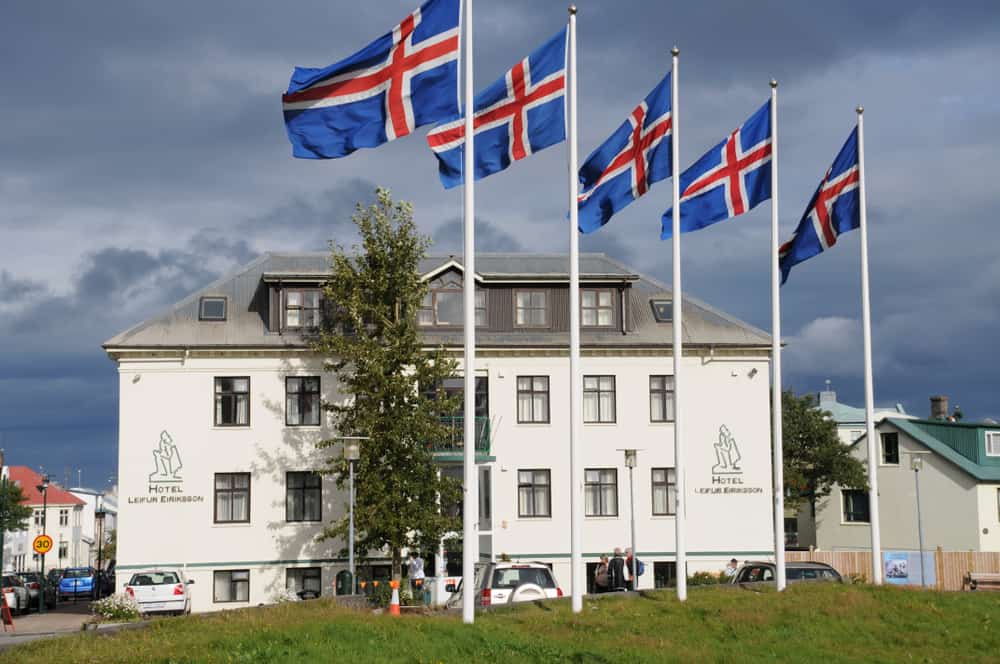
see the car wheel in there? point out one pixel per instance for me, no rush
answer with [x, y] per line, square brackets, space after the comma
[527, 592]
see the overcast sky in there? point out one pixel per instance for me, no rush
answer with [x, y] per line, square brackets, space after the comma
[143, 153]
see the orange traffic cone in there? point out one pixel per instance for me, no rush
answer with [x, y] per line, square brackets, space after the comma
[394, 604]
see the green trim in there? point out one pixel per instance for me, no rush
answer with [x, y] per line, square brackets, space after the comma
[702, 554]
[914, 430]
[244, 563]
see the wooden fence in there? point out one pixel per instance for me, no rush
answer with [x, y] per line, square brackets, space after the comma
[950, 567]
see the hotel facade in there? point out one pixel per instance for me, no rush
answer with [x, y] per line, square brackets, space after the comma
[219, 420]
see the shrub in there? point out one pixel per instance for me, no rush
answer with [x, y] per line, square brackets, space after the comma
[118, 607]
[703, 579]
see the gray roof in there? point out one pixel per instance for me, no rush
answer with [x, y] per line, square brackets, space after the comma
[180, 327]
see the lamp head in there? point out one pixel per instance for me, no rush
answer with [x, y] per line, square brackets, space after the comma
[352, 450]
[630, 458]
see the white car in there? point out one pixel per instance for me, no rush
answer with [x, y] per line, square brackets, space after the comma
[505, 583]
[160, 591]
[15, 592]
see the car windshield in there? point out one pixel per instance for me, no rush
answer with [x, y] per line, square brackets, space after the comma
[77, 573]
[11, 581]
[512, 577]
[153, 579]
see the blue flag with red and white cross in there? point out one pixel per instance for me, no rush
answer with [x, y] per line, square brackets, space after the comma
[404, 79]
[521, 113]
[635, 156]
[833, 209]
[730, 179]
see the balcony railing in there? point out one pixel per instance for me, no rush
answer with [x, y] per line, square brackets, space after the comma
[454, 441]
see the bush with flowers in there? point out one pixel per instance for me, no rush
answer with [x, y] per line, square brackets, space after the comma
[116, 608]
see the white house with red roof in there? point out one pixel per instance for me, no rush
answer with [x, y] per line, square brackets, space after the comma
[60, 512]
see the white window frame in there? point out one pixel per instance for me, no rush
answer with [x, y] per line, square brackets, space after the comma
[994, 437]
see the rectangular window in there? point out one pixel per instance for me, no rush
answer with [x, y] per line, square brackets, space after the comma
[661, 398]
[601, 492]
[855, 506]
[533, 399]
[480, 308]
[598, 399]
[447, 307]
[212, 308]
[596, 309]
[530, 309]
[302, 308]
[664, 574]
[302, 406]
[534, 493]
[39, 516]
[232, 402]
[303, 496]
[664, 492]
[992, 443]
[791, 531]
[63, 517]
[232, 586]
[232, 497]
[890, 449]
[64, 549]
[298, 579]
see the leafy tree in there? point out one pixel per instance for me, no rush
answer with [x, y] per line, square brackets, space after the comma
[110, 546]
[392, 386]
[14, 514]
[815, 458]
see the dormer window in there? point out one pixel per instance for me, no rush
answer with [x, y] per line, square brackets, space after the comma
[445, 307]
[663, 311]
[595, 307]
[212, 308]
[530, 308]
[302, 308]
[993, 443]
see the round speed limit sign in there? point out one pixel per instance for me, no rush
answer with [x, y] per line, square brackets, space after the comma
[42, 544]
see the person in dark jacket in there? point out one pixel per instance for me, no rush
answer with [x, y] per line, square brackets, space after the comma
[616, 572]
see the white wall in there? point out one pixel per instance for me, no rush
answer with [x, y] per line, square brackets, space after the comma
[988, 499]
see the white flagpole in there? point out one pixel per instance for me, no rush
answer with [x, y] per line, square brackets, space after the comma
[678, 345]
[576, 386]
[866, 322]
[470, 507]
[778, 457]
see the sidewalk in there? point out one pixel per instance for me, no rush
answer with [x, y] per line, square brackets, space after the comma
[66, 618]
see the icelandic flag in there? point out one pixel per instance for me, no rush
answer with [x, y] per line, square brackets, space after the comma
[732, 178]
[833, 209]
[404, 79]
[624, 167]
[520, 113]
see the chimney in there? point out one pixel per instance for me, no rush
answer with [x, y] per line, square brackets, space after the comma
[939, 407]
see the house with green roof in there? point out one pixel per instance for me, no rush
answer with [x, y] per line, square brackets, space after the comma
[959, 484]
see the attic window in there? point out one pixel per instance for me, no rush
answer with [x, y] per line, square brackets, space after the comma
[993, 443]
[212, 308]
[663, 310]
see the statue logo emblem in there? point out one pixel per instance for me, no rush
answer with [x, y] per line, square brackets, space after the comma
[167, 462]
[727, 454]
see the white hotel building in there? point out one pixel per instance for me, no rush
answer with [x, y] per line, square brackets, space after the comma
[219, 419]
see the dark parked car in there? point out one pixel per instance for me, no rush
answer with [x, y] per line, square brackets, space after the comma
[53, 575]
[77, 582]
[38, 587]
[795, 572]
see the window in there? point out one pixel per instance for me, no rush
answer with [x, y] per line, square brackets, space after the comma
[480, 308]
[598, 399]
[232, 586]
[601, 492]
[661, 398]
[664, 492]
[298, 579]
[998, 504]
[890, 449]
[791, 531]
[38, 518]
[595, 308]
[232, 402]
[855, 506]
[534, 493]
[63, 517]
[303, 496]
[446, 307]
[530, 309]
[302, 308]
[992, 443]
[212, 308]
[533, 399]
[302, 401]
[664, 574]
[63, 550]
[232, 497]
[663, 311]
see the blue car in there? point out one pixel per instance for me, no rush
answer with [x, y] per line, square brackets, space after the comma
[77, 582]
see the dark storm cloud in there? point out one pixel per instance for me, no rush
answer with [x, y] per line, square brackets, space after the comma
[15, 290]
[449, 237]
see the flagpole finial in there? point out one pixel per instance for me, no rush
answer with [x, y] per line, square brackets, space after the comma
[860, 109]
[572, 9]
[774, 83]
[675, 51]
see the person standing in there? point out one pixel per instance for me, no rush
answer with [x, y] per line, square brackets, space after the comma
[601, 576]
[416, 572]
[731, 568]
[631, 575]
[616, 572]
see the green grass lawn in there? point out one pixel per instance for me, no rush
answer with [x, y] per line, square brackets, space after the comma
[822, 623]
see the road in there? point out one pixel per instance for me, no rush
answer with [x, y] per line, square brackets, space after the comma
[66, 618]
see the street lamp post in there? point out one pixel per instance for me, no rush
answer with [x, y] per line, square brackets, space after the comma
[44, 489]
[99, 523]
[352, 452]
[631, 457]
[3, 507]
[917, 464]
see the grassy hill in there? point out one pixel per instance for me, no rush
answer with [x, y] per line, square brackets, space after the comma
[809, 622]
